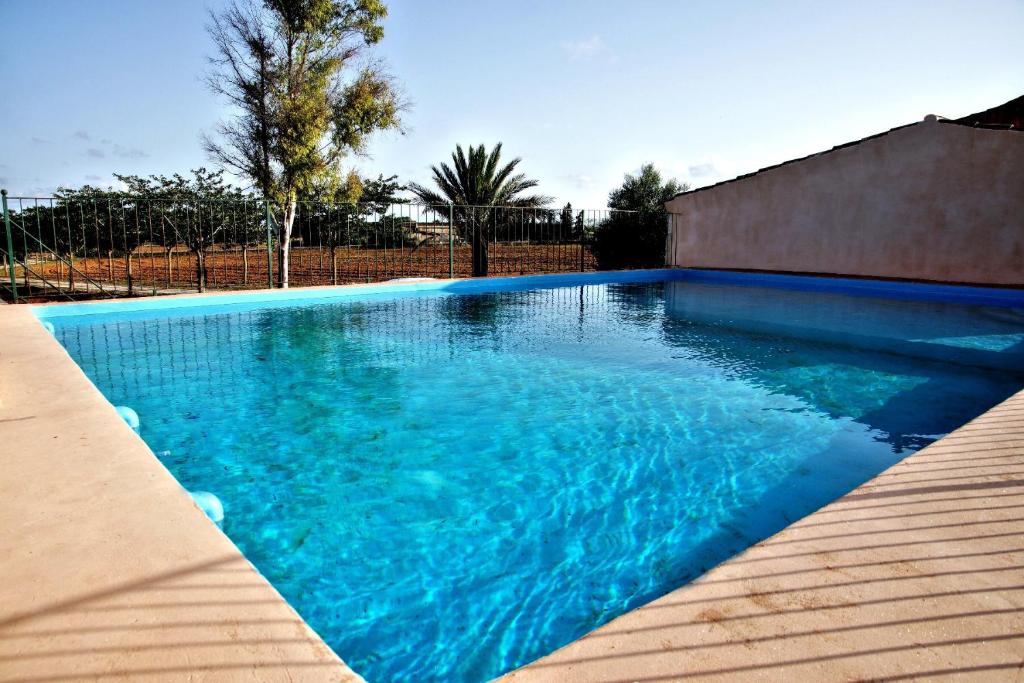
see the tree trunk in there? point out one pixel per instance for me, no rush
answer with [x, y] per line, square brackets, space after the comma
[167, 256]
[334, 265]
[128, 269]
[245, 264]
[201, 270]
[284, 243]
[479, 252]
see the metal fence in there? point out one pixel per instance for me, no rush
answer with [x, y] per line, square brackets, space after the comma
[133, 246]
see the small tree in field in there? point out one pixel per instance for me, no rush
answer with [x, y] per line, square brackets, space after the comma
[117, 220]
[203, 209]
[332, 216]
[289, 68]
[192, 211]
[634, 234]
[475, 183]
[380, 194]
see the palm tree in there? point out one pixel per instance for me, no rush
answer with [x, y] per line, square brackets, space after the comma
[475, 184]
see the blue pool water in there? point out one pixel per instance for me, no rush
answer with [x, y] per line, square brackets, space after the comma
[450, 486]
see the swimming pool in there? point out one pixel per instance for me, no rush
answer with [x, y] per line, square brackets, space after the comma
[447, 485]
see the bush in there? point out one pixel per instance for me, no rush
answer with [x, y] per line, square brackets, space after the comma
[630, 240]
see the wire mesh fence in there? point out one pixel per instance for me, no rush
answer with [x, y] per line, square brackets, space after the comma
[120, 245]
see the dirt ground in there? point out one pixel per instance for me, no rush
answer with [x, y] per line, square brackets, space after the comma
[235, 269]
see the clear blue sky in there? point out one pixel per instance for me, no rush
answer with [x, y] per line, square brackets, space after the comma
[584, 91]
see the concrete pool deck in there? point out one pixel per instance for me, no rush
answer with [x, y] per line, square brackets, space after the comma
[107, 569]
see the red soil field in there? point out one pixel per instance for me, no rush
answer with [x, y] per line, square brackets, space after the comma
[232, 269]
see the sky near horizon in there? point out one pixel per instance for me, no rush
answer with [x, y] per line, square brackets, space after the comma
[583, 91]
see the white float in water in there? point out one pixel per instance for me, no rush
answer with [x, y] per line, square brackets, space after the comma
[49, 327]
[210, 504]
[129, 416]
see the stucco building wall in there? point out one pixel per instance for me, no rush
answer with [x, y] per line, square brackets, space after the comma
[930, 201]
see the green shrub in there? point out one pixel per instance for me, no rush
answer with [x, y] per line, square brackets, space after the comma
[630, 240]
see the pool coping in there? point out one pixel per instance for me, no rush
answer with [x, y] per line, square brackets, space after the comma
[76, 510]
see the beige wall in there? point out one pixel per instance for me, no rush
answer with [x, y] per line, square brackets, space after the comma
[931, 201]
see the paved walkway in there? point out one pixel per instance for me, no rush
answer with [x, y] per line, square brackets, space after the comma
[918, 574]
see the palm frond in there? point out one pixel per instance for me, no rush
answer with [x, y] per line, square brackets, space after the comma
[477, 177]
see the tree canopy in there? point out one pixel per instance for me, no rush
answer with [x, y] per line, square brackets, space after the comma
[305, 96]
[479, 179]
[645, 191]
[381, 193]
[634, 233]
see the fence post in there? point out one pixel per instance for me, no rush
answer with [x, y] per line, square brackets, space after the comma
[451, 243]
[270, 247]
[583, 240]
[10, 248]
[670, 240]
